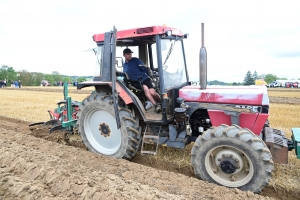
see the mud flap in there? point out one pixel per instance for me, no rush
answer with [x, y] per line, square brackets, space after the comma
[278, 144]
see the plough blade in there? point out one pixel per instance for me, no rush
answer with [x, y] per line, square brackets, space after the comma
[37, 123]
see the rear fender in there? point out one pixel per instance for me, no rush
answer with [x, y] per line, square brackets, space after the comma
[124, 93]
[122, 90]
[107, 86]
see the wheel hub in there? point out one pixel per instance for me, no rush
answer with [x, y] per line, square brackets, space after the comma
[104, 130]
[228, 165]
[228, 161]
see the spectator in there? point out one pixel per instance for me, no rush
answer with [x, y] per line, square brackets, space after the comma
[12, 84]
[1, 84]
[16, 84]
[20, 84]
[4, 82]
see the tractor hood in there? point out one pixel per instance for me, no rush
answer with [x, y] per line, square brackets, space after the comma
[241, 95]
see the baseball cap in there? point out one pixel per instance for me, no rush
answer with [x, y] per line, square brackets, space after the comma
[127, 51]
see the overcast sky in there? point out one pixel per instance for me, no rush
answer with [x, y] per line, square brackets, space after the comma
[45, 36]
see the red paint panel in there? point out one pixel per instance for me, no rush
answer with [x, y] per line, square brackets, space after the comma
[140, 32]
[218, 117]
[241, 96]
[259, 124]
[247, 120]
[127, 99]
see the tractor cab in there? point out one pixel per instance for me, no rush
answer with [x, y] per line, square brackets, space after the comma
[161, 50]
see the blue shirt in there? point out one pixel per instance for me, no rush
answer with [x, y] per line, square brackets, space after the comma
[133, 70]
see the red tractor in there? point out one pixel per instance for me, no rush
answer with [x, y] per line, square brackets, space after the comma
[233, 144]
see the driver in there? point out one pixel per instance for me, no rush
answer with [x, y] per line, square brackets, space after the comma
[135, 69]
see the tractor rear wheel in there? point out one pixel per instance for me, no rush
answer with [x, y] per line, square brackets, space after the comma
[98, 128]
[233, 157]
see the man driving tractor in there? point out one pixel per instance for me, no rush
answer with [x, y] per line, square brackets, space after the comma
[136, 70]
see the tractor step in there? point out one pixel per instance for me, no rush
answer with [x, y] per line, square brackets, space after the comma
[149, 138]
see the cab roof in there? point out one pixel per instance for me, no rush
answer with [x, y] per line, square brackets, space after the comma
[140, 32]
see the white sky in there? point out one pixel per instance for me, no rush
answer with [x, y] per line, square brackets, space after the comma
[45, 36]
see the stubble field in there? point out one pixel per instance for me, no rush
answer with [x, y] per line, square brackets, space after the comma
[19, 107]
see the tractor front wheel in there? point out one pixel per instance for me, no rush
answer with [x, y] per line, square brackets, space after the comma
[232, 157]
[98, 128]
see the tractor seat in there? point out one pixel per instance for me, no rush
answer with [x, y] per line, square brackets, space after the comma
[139, 92]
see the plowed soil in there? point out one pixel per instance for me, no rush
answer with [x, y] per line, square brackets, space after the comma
[34, 168]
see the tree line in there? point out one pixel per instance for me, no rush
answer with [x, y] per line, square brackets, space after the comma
[268, 78]
[35, 78]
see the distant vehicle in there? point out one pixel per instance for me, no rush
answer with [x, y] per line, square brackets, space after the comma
[281, 83]
[273, 84]
[260, 82]
[288, 84]
[295, 84]
[292, 84]
[45, 83]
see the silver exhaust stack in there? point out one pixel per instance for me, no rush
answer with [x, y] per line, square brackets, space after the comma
[203, 63]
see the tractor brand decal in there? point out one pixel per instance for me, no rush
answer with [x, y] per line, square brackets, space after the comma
[207, 96]
[253, 108]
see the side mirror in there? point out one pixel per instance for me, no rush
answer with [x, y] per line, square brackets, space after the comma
[119, 62]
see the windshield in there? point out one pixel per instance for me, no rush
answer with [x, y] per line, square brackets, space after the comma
[172, 63]
[98, 61]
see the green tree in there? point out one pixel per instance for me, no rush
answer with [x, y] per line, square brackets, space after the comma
[248, 80]
[81, 79]
[49, 78]
[270, 78]
[56, 76]
[25, 77]
[255, 75]
[66, 79]
[37, 78]
[8, 73]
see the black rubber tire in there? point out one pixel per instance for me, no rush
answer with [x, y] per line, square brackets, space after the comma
[243, 141]
[130, 130]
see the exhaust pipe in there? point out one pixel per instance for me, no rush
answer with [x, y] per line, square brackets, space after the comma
[203, 63]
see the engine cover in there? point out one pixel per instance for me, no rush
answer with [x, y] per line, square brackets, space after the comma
[277, 143]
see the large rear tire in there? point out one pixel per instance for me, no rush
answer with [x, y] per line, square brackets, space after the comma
[232, 157]
[98, 128]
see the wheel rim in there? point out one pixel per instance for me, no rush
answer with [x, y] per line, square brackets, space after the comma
[105, 145]
[229, 166]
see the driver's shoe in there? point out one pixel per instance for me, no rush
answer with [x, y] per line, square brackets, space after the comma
[158, 108]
